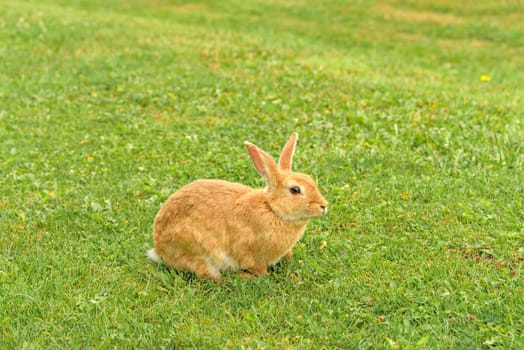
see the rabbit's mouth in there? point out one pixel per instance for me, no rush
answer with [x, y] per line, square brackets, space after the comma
[320, 209]
[324, 209]
[317, 210]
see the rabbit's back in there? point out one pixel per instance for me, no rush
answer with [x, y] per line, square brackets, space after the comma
[202, 202]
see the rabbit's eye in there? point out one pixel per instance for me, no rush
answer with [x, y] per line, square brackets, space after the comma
[295, 190]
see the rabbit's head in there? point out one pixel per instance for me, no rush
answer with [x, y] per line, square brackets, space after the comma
[293, 196]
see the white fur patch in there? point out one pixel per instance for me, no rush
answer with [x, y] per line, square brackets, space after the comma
[153, 256]
[221, 262]
[212, 268]
[227, 262]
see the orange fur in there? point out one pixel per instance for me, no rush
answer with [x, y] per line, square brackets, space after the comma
[210, 226]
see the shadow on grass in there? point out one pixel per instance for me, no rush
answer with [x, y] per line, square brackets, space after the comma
[168, 275]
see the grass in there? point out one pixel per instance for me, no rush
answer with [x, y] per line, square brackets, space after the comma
[107, 107]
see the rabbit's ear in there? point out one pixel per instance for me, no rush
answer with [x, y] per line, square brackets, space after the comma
[286, 157]
[264, 164]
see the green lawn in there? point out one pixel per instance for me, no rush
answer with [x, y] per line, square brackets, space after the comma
[410, 115]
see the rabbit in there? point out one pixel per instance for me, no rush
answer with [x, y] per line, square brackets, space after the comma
[210, 226]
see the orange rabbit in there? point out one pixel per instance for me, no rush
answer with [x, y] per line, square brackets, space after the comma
[210, 226]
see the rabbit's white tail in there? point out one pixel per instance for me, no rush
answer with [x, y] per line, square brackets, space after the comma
[153, 256]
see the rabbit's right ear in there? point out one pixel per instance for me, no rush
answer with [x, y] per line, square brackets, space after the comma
[286, 157]
[264, 164]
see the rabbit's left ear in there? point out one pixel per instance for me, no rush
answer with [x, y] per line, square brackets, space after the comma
[264, 164]
[286, 157]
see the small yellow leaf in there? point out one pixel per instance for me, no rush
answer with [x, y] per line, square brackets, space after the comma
[323, 245]
[294, 277]
[94, 94]
[485, 78]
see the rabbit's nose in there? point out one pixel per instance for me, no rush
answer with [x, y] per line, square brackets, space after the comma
[324, 209]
